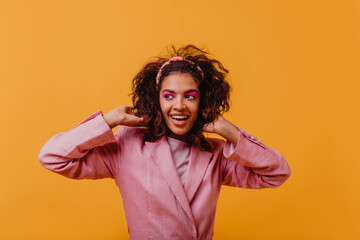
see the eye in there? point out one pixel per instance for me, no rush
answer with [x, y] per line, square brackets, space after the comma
[191, 95]
[168, 95]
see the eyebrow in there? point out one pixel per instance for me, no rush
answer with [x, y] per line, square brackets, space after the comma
[188, 91]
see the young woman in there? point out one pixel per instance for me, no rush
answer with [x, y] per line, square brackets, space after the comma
[168, 173]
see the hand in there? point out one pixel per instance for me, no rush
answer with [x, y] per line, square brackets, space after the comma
[224, 128]
[216, 125]
[122, 115]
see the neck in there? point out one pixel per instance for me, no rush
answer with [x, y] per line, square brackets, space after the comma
[178, 137]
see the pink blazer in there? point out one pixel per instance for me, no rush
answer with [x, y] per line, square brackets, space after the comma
[156, 204]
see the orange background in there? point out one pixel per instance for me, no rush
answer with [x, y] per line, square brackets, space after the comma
[294, 70]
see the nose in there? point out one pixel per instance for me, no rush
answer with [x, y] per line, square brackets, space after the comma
[179, 104]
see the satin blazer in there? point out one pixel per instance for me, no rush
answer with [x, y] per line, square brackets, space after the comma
[156, 204]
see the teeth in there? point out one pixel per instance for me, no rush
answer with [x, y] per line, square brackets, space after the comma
[179, 117]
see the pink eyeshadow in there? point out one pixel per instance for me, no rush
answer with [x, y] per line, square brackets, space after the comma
[193, 94]
[167, 93]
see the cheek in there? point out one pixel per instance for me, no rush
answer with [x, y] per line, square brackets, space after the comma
[195, 108]
[163, 107]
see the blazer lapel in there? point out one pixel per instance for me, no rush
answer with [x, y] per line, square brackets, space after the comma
[199, 161]
[160, 151]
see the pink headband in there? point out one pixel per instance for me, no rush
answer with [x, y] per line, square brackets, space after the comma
[174, 59]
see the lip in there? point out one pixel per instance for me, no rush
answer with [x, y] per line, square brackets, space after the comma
[179, 123]
[179, 114]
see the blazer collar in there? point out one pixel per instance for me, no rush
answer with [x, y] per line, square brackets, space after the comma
[160, 151]
[199, 160]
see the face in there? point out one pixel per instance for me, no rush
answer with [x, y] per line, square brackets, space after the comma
[179, 101]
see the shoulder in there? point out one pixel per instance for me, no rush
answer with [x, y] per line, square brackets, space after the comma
[129, 133]
[216, 144]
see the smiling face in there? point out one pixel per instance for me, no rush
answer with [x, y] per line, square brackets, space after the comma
[179, 101]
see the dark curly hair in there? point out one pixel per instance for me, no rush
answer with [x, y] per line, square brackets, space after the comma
[214, 92]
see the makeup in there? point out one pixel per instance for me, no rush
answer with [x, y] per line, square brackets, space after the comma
[179, 100]
[168, 94]
[192, 94]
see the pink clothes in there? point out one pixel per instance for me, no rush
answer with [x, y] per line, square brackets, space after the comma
[180, 152]
[157, 205]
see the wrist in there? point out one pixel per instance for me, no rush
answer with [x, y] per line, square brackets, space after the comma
[223, 127]
[229, 131]
[110, 120]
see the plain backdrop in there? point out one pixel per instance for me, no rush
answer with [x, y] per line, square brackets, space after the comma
[294, 71]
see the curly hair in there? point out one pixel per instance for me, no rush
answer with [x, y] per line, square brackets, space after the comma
[214, 92]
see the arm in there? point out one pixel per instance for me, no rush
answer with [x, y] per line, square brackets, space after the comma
[89, 150]
[251, 164]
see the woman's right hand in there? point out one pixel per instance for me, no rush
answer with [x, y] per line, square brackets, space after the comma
[122, 115]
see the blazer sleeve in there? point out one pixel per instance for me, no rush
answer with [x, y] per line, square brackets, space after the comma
[88, 151]
[252, 164]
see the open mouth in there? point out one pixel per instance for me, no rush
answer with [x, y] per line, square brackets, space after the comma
[179, 118]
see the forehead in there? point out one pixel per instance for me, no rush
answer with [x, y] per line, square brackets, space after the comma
[179, 82]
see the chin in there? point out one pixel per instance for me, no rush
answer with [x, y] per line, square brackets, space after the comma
[179, 133]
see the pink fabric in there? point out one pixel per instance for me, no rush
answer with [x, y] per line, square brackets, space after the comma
[156, 204]
[174, 59]
[180, 152]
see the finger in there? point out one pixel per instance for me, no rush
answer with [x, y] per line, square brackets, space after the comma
[128, 109]
[140, 121]
[206, 128]
[137, 123]
[132, 119]
[209, 127]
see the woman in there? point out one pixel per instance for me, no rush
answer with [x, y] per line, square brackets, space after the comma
[168, 173]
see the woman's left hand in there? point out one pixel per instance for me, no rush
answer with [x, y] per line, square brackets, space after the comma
[224, 128]
[216, 125]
